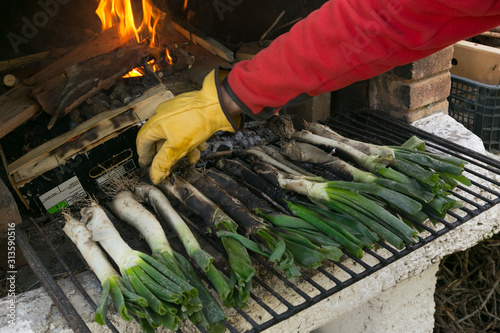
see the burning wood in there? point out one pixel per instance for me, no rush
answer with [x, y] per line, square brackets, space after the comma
[98, 63]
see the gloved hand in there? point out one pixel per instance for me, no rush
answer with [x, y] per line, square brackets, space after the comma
[180, 125]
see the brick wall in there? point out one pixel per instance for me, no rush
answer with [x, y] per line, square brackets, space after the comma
[413, 91]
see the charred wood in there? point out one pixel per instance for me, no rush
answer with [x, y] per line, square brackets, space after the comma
[103, 43]
[65, 92]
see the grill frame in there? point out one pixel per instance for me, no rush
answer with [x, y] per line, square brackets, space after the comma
[360, 125]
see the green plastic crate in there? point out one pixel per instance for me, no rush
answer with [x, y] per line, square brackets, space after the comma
[477, 106]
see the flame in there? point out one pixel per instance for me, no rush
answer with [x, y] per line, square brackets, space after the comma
[185, 4]
[120, 13]
[136, 72]
[139, 71]
[168, 58]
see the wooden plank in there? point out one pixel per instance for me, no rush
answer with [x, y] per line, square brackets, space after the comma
[86, 141]
[491, 34]
[58, 150]
[207, 43]
[55, 152]
[102, 43]
[476, 62]
[11, 179]
[16, 107]
[14, 64]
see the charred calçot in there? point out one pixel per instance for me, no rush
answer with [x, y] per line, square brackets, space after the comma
[221, 225]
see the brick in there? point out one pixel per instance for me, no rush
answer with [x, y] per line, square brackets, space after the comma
[413, 115]
[428, 110]
[437, 62]
[388, 92]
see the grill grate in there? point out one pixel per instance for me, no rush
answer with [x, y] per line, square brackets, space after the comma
[276, 298]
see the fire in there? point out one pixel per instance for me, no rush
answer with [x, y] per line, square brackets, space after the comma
[136, 72]
[120, 13]
[169, 59]
[139, 71]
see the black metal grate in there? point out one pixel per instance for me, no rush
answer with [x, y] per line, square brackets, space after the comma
[276, 298]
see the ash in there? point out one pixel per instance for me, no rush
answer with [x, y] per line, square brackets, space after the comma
[254, 134]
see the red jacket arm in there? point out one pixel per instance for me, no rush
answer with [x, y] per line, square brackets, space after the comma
[351, 40]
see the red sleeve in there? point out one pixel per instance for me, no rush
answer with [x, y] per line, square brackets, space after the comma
[351, 40]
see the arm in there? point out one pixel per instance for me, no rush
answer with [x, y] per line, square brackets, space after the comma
[351, 40]
[343, 42]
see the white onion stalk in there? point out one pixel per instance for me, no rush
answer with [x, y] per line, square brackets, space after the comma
[128, 209]
[111, 281]
[140, 272]
[161, 204]
[312, 187]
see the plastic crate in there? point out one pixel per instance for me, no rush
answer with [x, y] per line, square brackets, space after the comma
[477, 106]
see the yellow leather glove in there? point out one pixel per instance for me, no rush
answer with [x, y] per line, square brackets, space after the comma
[180, 125]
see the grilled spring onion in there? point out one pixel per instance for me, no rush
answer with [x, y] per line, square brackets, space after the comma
[250, 200]
[384, 189]
[411, 158]
[426, 176]
[237, 169]
[126, 301]
[131, 211]
[277, 155]
[290, 224]
[341, 224]
[265, 239]
[347, 201]
[353, 226]
[140, 272]
[259, 153]
[218, 222]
